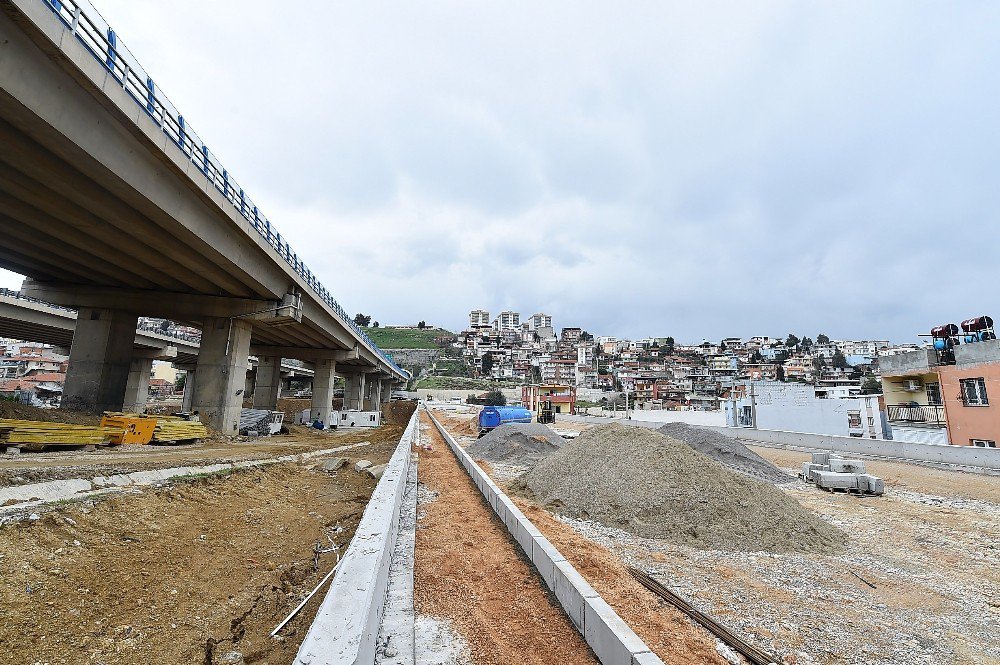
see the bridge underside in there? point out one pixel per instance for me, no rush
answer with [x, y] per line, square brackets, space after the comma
[105, 214]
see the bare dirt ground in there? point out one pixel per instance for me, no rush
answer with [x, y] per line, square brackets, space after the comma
[468, 571]
[184, 573]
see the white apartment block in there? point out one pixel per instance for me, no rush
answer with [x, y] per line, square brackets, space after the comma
[479, 318]
[540, 321]
[507, 321]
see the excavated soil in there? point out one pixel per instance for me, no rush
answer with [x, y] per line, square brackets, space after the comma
[186, 573]
[467, 571]
[727, 451]
[653, 486]
[522, 444]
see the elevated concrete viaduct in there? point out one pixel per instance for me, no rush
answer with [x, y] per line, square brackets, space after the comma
[35, 321]
[112, 205]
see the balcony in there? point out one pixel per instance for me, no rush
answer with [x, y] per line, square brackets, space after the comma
[928, 415]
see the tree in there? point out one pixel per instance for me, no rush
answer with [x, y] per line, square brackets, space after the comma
[422, 325]
[756, 358]
[806, 343]
[839, 361]
[792, 341]
[779, 372]
[487, 364]
[871, 386]
[586, 336]
[669, 343]
[375, 325]
[362, 319]
[822, 339]
[495, 398]
[819, 363]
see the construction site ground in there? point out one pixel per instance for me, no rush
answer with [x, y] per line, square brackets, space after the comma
[918, 583]
[198, 570]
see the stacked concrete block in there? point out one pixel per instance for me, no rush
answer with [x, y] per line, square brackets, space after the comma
[832, 472]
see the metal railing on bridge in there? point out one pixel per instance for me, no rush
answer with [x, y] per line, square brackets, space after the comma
[90, 28]
[919, 414]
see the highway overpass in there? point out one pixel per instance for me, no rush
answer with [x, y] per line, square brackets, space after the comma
[32, 320]
[110, 204]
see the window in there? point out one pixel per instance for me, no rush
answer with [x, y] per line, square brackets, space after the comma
[983, 443]
[854, 419]
[974, 392]
[933, 393]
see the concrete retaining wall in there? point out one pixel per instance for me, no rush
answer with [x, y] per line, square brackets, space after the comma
[346, 626]
[988, 458]
[606, 632]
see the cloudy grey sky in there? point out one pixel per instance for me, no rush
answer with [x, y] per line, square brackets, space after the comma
[661, 168]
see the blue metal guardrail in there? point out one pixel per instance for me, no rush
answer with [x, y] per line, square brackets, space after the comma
[90, 28]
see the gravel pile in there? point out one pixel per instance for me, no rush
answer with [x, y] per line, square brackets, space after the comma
[521, 444]
[653, 486]
[728, 451]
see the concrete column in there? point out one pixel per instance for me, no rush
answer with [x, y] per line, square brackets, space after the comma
[267, 385]
[352, 392]
[369, 393]
[386, 390]
[137, 388]
[100, 360]
[376, 395]
[187, 401]
[322, 390]
[222, 372]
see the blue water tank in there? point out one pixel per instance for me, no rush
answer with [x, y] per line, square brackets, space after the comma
[494, 416]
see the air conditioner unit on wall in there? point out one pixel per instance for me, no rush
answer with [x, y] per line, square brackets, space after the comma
[913, 385]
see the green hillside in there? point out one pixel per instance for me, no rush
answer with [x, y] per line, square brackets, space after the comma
[406, 338]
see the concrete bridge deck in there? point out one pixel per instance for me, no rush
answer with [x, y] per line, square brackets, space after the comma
[112, 205]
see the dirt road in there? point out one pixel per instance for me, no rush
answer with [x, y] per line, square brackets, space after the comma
[468, 571]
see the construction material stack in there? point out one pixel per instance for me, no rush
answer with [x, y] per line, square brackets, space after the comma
[33, 434]
[129, 428]
[832, 472]
[173, 429]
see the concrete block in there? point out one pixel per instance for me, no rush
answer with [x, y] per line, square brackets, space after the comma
[834, 480]
[847, 465]
[525, 533]
[608, 635]
[376, 471]
[333, 464]
[361, 465]
[572, 591]
[646, 658]
[544, 556]
[871, 484]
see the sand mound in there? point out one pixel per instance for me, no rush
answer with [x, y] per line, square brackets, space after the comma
[654, 486]
[522, 444]
[726, 450]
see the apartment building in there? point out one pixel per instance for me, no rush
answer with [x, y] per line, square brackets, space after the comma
[507, 321]
[479, 318]
[540, 321]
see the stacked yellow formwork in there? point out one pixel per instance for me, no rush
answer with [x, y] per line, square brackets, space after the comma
[35, 434]
[171, 429]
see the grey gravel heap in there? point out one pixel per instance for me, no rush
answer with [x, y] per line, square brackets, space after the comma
[728, 451]
[654, 486]
[521, 444]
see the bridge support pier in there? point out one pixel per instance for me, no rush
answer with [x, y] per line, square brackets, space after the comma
[187, 401]
[267, 384]
[322, 389]
[386, 390]
[354, 391]
[222, 371]
[100, 360]
[137, 388]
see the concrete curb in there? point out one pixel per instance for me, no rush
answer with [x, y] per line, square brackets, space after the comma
[347, 623]
[38, 494]
[608, 635]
